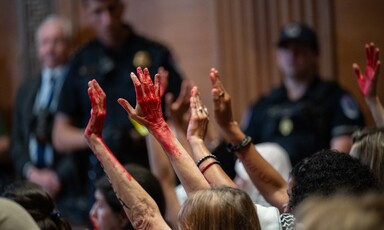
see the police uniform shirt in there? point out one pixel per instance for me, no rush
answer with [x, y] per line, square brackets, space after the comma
[307, 125]
[112, 68]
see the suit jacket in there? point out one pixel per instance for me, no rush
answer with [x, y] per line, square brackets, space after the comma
[22, 128]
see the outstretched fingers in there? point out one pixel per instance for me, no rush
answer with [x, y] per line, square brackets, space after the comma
[98, 111]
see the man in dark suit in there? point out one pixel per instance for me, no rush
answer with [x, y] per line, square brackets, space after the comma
[115, 52]
[33, 155]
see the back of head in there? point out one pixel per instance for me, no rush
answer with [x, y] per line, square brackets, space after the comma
[218, 208]
[368, 147]
[341, 212]
[327, 172]
[38, 203]
[14, 216]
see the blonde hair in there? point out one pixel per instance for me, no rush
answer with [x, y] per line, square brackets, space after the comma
[219, 208]
[368, 147]
[341, 213]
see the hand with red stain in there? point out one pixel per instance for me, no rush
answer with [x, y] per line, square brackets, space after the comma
[148, 112]
[98, 111]
[367, 81]
[164, 76]
[148, 100]
[138, 205]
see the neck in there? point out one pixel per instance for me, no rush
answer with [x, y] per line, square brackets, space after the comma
[296, 87]
[119, 39]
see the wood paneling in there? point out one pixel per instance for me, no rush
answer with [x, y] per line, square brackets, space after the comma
[9, 53]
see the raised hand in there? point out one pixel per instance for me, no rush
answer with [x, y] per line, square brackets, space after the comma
[221, 101]
[164, 76]
[198, 123]
[367, 81]
[98, 111]
[148, 101]
[177, 111]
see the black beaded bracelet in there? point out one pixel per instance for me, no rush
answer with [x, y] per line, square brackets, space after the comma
[204, 158]
[234, 148]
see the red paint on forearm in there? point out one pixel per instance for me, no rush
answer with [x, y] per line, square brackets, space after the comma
[167, 139]
[110, 159]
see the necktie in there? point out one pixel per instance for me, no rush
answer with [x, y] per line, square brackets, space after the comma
[42, 148]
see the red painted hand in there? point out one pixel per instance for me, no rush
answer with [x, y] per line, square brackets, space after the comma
[367, 82]
[164, 76]
[98, 112]
[148, 101]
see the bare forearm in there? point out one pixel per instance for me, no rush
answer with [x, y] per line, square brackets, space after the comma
[183, 164]
[138, 205]
[377, 110]
[215, 176]
[162, 169]
[267, 180]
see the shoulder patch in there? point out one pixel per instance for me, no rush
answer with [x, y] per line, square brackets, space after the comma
[349, 107]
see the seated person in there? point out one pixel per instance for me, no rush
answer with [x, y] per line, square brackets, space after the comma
[37, 201]
[107, 212]
[11, 213]
[138, 205]
[342, 212]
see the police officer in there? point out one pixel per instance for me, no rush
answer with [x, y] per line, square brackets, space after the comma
[305, 113]
[110, 58]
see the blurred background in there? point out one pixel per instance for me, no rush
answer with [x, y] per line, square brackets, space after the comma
[238, 37]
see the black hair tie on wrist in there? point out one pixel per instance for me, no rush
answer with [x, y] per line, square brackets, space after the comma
[235, 148]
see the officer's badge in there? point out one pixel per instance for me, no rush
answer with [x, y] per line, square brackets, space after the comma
[349, 107]
[142, 58]
[285, 126]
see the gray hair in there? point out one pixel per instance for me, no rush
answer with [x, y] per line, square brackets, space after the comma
[61, 21]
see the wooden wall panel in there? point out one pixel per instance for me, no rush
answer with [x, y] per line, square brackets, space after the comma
[9, 54]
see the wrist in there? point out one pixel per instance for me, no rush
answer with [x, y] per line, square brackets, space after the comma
[245, 142]
[372, 101]
[199, 149]
[232, 133]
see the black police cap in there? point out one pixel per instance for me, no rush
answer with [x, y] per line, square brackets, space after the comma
[298, 32]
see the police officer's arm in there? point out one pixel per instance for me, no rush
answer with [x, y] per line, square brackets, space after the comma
[148, 113]
[267, 180]
[66, 137]
[368, 83]
[139, 206]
